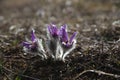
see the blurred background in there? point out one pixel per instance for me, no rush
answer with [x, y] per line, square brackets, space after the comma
[88, 17]
[64, 11]
[85, 16]
[78, 13]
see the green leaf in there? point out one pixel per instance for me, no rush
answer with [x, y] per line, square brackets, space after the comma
[18, 78]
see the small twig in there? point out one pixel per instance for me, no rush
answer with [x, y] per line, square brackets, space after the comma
[18, 74]
[7, 76]
[98, 72]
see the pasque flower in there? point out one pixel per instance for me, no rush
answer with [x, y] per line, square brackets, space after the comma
[59, 42]
[64, 38]
[31, 45]
[34, 45]
[58, 45]
[53, 30]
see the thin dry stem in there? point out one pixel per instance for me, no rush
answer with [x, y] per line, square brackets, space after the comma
[98, 72]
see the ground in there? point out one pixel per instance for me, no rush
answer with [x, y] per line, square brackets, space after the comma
[98, 39]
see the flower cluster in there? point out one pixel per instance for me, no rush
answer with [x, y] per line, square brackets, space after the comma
[34, 46]
[58, 45]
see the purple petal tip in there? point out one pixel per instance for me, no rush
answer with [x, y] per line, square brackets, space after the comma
[72, 37]
[33, 37]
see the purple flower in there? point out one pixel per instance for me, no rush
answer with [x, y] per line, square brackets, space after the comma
[66, 41]
[32, 45]
[53, 30]
[58, 45]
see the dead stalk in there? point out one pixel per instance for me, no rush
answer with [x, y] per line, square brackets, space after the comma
[98, 72]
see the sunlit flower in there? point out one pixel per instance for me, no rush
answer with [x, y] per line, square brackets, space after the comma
[34, 46]
[58, 45]
[53, 30]
[66, 41]
[31, 45]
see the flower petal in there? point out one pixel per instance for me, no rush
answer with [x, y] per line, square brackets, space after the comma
[33, 37]
[72, 37]
[61, 29]
[64, 26]
[53, 30]
[26, 44]
[64, 35]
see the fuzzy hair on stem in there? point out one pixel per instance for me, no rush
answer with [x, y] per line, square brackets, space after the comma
[58, 46]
